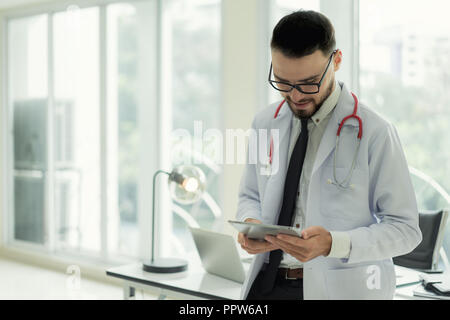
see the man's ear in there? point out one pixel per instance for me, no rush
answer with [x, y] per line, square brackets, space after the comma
[337, 60]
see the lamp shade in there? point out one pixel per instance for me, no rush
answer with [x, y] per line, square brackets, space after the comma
[186, 184]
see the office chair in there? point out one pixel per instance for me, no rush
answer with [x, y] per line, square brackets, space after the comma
[425, 257]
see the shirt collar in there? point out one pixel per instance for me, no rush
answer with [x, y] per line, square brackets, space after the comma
[328, 105]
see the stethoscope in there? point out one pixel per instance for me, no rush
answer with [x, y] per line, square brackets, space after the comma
[345, 183]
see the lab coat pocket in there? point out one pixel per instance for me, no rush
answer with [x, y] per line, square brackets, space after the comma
[367, 282]
[343, 203]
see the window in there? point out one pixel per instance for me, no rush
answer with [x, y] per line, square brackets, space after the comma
[192, 74]
[396, 80]
[28, 99]
[87, 88]
[131, 78]
[402, 77]
[76, 137]
[399, 73]
[53, 81]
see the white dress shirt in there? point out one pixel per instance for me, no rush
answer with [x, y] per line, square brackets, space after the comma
[317, 124]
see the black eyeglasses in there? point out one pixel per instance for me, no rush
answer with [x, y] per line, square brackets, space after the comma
[306, 88]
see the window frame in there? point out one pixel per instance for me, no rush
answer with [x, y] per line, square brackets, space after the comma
[154, 131]
[158, 136]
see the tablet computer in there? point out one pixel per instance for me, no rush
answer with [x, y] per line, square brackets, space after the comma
[259, 231]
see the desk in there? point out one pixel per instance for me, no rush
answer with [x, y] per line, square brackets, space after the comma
[406, 292]
[195, 283]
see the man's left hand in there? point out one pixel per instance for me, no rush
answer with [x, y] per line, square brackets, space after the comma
[315, 241]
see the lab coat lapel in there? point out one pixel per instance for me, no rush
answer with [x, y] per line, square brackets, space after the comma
[343, 108]
[274, 193]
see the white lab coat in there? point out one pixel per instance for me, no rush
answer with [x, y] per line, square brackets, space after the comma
[380, 213]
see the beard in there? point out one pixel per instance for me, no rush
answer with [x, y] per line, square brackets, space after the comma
[302, 114]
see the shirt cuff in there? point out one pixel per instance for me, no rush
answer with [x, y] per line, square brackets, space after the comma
[340, 245]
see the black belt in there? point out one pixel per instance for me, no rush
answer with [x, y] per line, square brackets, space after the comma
[288, 274]
[291, 274]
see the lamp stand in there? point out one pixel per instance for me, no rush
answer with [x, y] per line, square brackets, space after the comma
[165, 265]
[161, 265]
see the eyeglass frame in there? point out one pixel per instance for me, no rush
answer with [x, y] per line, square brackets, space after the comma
[297, 86]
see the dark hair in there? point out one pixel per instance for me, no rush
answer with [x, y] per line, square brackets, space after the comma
[301, 33]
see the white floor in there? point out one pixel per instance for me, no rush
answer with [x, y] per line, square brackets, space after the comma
[24, 282]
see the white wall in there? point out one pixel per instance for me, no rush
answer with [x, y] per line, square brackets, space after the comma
[240, 46]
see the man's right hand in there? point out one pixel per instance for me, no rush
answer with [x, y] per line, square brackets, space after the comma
[254, 246]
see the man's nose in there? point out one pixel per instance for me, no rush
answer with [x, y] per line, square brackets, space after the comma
[296, 95]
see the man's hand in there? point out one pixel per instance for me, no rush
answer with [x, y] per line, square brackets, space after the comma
[254, 246]
[316, 241]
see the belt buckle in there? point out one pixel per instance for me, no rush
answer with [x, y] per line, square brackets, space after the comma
[286, 275]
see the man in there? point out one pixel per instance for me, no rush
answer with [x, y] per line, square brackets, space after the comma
[354, 204]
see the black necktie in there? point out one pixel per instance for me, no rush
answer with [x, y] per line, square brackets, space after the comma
[289, 199]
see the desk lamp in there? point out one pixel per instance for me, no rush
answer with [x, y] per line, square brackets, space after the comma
[186, 185]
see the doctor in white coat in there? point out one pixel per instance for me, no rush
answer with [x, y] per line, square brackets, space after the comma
[351, 233]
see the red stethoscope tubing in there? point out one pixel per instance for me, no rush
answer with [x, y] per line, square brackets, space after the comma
[271, 138]
[353, 115]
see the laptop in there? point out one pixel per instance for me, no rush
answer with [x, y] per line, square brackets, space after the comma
[219, 254]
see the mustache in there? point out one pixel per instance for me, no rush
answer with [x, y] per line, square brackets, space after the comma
[299, 102]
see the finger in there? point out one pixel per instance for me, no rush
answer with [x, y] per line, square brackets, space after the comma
[297, 243]
[241, 239]
[253, 220]
[267, 247]
[300, 253]
[288, 247]
[311, 231]
[260, 246]
[292, 239]
[248, 250]
[253, 251]
[300, 257]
